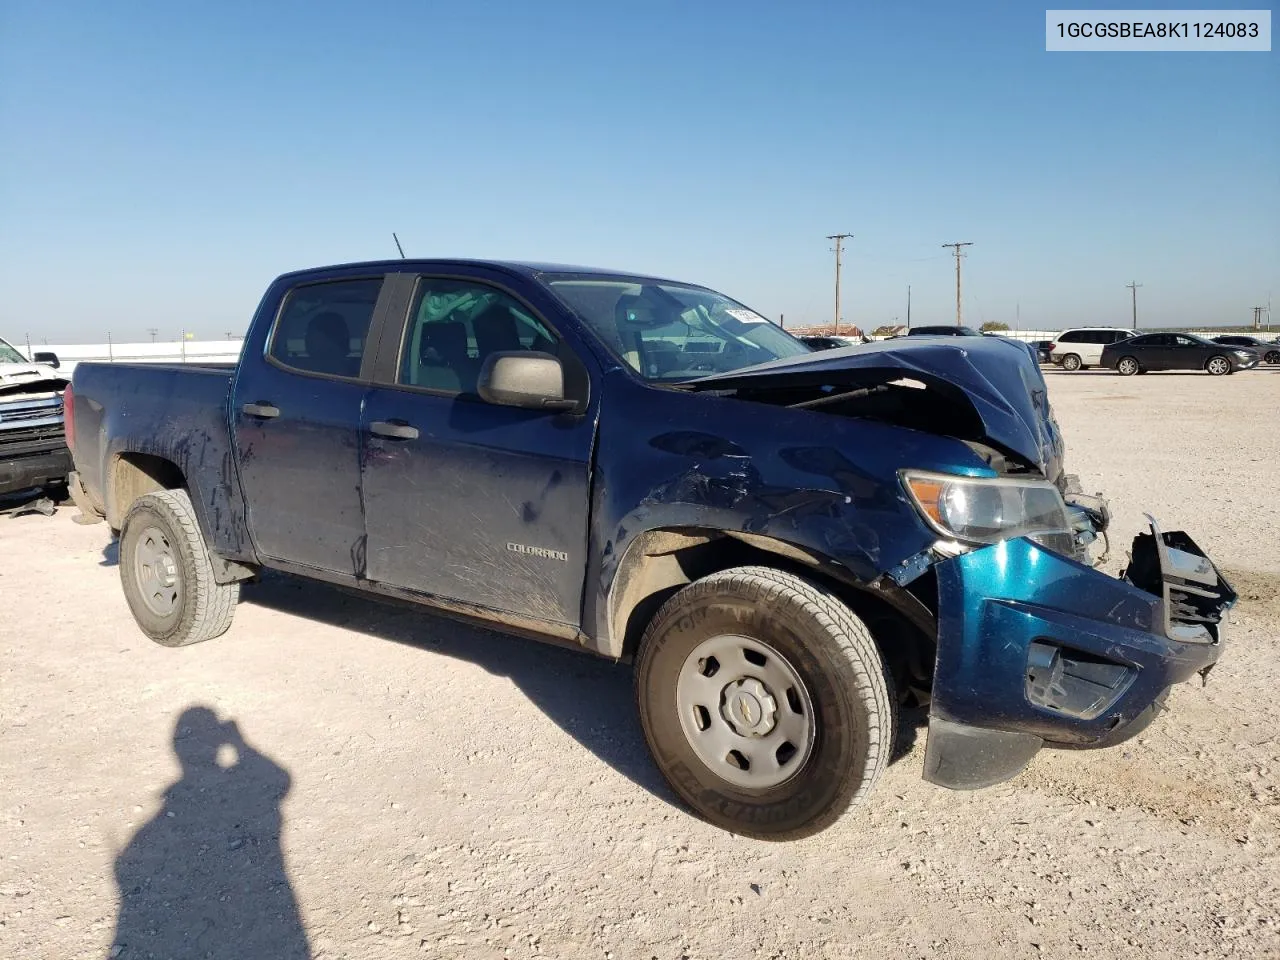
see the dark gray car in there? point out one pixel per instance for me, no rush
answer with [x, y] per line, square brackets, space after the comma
[1267, 350]
[1175, 351]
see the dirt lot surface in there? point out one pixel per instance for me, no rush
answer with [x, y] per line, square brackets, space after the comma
[339, 778]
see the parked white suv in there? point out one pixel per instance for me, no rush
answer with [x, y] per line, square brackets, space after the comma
[1081, 347]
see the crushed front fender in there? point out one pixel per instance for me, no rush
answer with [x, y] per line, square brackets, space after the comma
[1034, 647]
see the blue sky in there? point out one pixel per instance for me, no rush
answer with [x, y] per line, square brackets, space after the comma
[161, 161]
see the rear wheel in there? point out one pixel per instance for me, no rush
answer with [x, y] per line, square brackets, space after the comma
[764, 702]
[1127, 366]
[1272, 356]
[1071, 362]
[1218, 366]
[167, 575]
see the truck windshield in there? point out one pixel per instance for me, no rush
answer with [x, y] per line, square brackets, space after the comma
[669, 332]
[9, 355]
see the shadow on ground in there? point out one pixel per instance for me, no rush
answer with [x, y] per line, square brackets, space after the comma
[206, 876]
[589, 698]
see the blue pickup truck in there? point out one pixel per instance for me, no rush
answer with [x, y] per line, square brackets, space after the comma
[788, 544]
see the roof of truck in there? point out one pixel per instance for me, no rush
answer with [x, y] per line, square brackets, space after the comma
[521, 267]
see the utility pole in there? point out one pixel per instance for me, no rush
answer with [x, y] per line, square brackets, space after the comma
[1133, 287]
[955, 247]
[1257, 318]
[839, 238]
[153, 331]
[908, 306]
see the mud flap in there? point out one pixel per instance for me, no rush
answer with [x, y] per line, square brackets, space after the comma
[962, 757]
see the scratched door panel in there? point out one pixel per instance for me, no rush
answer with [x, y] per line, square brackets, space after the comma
[487, 505]
[296, 425]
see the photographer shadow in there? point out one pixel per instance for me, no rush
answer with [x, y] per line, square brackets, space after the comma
[206, 876]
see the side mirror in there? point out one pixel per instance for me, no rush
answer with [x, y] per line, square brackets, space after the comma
[523, 378]
[47, 358]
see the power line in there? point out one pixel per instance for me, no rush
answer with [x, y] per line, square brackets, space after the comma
[1133, 287]
[956, 250]
[839, 238]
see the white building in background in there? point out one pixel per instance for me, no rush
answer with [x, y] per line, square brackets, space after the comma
[170, 351]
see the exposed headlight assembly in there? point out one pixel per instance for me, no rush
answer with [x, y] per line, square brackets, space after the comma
[982, 510]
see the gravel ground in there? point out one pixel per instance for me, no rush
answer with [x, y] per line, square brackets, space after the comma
[340, 778]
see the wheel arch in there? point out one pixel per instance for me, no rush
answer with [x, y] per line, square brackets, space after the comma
[660, 562]
[132, 475]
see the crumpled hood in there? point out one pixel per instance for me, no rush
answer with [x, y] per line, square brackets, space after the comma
[29, 377]
[996, 377]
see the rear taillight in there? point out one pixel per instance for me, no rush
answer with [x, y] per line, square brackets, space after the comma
[69, 416]
[1052, 347]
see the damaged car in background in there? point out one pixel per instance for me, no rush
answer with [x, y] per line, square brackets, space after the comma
[789, 544]
[33, 448]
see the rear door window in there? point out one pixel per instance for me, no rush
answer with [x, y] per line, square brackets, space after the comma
[322, 327]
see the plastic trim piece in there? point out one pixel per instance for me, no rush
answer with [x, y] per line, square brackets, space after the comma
[961, 757]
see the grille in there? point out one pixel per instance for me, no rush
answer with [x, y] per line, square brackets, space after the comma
[29, 411]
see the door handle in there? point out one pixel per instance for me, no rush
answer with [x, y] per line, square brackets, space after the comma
[264, 410]
[393, 430]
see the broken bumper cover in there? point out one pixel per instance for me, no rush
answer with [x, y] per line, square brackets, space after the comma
[1037, 648]
[33, 469]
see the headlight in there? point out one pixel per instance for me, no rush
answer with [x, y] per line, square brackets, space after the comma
[987, 510]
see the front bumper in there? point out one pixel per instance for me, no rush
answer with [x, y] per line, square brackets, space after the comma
[33, 469]
[1035, 648]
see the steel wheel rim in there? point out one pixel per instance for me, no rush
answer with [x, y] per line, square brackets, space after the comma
[1218, 366]
[155, 570]
[745, 711]
[1128, 366]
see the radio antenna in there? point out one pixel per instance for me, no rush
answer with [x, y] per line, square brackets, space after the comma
[398, 247]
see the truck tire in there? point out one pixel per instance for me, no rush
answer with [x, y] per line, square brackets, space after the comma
[764, 702]
[167, 575]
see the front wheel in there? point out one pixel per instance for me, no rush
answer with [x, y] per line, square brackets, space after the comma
[764, 702]
[1127, 366]
[1272, 356]
[1218, 366]
[1071, 363]
[167, 575]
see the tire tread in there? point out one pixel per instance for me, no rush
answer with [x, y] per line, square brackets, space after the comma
[214, 603]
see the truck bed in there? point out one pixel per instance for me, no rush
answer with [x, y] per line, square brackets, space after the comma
[176, 412]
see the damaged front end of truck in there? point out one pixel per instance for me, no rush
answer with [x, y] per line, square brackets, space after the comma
[1035, 644]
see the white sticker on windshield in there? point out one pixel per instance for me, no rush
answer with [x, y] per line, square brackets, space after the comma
[746, 316]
